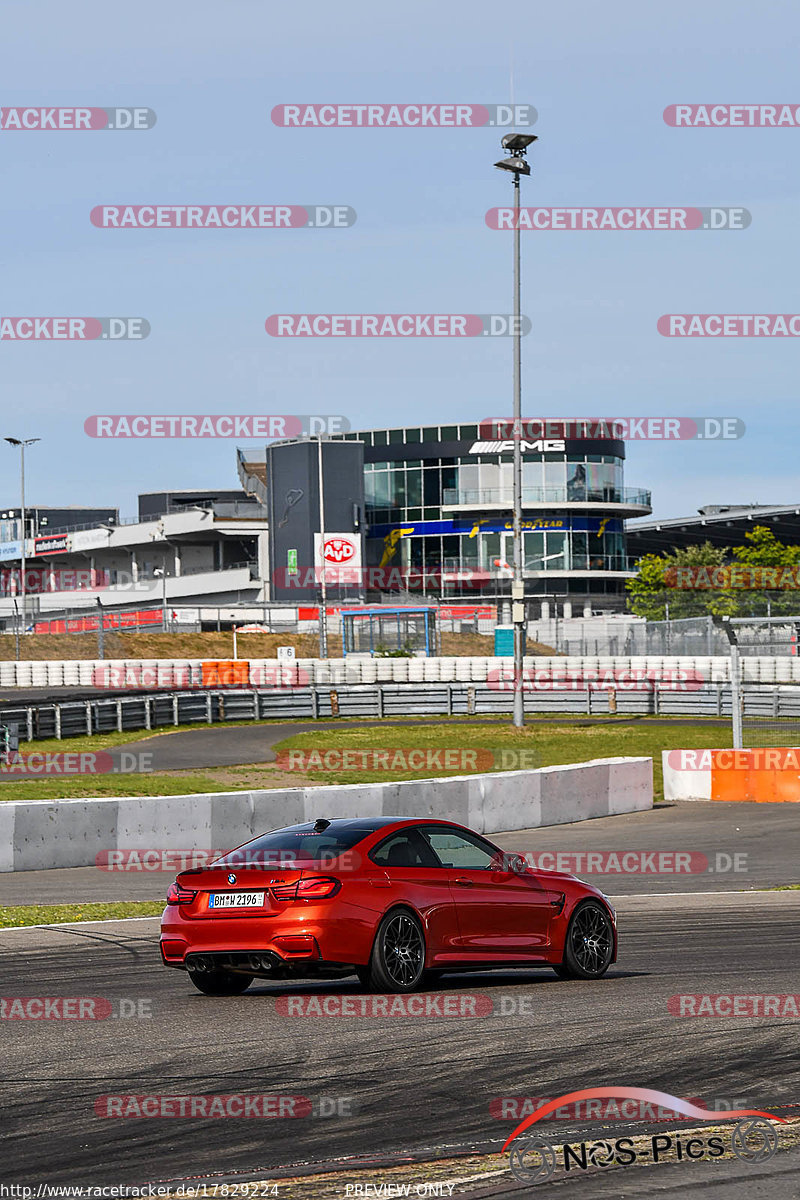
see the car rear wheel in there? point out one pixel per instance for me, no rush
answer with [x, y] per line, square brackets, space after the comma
[220, 983]
[397, 963]
[589, 944]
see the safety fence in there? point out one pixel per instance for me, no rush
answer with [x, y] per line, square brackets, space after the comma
[146, 711]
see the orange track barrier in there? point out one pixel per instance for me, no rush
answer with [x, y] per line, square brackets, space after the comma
[764, 776]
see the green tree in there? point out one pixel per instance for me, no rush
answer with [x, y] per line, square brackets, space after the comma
[727, 592]
[764, 550]
[655, 585]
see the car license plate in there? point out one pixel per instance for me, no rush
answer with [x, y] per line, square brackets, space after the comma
[236, 900]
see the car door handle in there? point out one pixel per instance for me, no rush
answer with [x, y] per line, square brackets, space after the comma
[464, 882]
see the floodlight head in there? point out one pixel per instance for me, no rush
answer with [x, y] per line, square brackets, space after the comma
[517, 165]
[517, 142]
[13, 441]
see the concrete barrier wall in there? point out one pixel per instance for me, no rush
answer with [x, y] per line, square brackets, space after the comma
[42, 834]
[684, 781]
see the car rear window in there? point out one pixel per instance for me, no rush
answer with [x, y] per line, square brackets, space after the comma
[283, 847]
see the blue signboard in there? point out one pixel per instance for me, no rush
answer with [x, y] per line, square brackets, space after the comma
[578, 524]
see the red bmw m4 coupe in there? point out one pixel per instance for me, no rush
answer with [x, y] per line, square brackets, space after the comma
[396, 902]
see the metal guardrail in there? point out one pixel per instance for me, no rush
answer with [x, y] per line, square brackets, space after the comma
[75, 718]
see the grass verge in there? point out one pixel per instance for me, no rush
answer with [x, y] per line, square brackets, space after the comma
[547, 745]
[18, 915]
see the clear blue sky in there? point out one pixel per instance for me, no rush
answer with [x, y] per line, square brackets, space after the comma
[599, 75]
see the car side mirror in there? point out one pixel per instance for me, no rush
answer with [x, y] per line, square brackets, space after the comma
[513, 863]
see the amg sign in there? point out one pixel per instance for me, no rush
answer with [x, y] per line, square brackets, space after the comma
[541, 447]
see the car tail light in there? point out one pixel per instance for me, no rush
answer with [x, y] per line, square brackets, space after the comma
[319, 887]
[179, 895]
[284, 891]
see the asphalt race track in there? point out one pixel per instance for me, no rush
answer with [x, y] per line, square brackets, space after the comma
[407, 1087]
[413, 1086]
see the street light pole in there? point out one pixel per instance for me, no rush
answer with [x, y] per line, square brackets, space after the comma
[323, 608]
[22, 443]
[518, 583]
[162, 573]
[517, 143]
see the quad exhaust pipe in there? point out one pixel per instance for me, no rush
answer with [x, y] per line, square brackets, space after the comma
[255, 962]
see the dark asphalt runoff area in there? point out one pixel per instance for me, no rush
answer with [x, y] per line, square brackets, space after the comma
[733, 847]
[403, 1086]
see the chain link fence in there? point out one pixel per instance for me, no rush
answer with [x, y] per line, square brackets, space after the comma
[689, 637]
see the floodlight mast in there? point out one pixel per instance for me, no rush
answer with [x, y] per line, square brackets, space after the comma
[516, 164]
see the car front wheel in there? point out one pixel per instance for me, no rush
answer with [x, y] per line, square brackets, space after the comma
[589, 944]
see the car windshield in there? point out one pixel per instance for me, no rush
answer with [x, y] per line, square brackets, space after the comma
[296, 845]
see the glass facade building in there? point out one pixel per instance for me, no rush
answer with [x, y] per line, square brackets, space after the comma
[438, 501]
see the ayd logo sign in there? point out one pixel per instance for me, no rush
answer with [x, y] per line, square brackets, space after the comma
[337, 548]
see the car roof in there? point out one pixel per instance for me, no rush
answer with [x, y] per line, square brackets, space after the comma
[368, 824]
[335, 823]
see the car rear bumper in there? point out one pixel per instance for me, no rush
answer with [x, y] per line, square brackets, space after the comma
[306, 939]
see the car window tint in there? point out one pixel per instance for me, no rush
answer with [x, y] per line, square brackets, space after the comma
[454, 849]
[405, 848]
